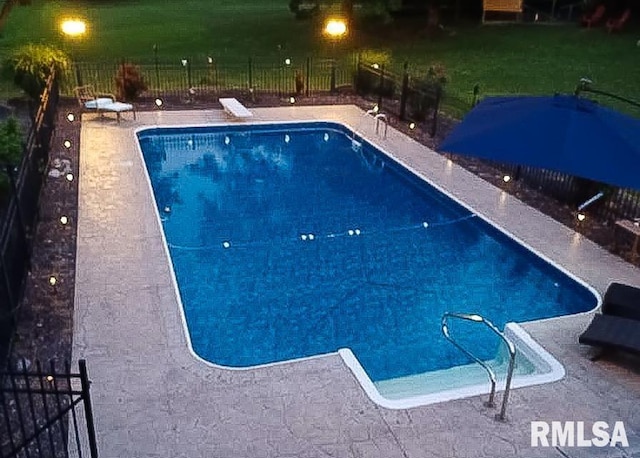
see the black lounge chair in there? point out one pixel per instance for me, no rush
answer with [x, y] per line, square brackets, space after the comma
[618, 327]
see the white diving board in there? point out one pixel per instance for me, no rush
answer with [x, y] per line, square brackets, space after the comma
[235, 108]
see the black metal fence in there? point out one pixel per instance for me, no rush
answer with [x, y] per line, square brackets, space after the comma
[408, 97]
[20, 216]
[46, 412]
[288, 76]
[615, 204]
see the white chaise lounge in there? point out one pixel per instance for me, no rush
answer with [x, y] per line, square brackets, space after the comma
[89, 100]
[235, 108]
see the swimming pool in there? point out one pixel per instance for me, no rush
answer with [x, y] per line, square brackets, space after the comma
[289, 241]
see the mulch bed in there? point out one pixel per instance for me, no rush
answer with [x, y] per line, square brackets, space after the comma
[45, 321]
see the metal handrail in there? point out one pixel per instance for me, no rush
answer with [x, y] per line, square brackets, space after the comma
[492, 376]
[381, 117]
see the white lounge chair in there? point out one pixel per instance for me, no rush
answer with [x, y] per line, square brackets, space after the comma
[89, 100]
[235, 108]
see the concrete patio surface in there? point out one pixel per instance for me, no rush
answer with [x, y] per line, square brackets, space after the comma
[152, 398]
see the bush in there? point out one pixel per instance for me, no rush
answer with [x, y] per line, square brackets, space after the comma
[11, 141]
[423, 93]
[11, 149]
[129, 82]
[30, 66]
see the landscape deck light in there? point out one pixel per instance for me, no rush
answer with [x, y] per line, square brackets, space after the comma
[71, 117]
[581, 216]
[287, 61]
[53, 280]
[69, 177]
[67, 144]
[506, 178]
[376, 66]
[158, 102]
[412, 125]
[64, 220]
[292, 100]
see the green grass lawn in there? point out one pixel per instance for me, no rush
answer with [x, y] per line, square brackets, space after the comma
[533, 59]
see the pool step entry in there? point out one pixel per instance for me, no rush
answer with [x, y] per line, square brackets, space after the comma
[492, 376]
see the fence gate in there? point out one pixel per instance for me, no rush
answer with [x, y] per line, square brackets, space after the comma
[46, 412]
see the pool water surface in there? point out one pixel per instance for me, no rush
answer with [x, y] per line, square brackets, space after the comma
[291, 240]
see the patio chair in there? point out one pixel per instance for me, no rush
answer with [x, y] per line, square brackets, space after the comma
[101, 103]
[616, 24]
[592, 19]
[618, 326]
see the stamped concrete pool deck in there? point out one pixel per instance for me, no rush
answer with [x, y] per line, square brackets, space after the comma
[152, 398]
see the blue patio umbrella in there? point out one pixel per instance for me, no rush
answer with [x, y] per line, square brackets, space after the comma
[564, 133]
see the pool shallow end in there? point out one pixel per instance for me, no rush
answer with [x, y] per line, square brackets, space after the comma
[425, 389]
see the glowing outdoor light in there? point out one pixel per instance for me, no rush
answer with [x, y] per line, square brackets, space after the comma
[64, 220]
[292, 100]
[287, 61]
[184, 62]
[73, 27]
[376, 66]
[506, 178]
[158, 102]
[71, 117]
[49, 378]
[69, 177]
[67, 144]
[53, 280]
[210, 59]
[335, 28]
[412, 125]
[581, 216]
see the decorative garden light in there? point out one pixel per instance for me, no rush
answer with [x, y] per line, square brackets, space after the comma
[69, 177]
[158, 102]
[292, 100]
[412, 125]
[71, 117]
[73, 27]
[506, 178]
[67, 144]
[581, 216]
[335, 28]
[64, 220]
[53, 280]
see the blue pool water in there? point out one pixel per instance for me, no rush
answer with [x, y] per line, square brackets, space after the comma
[287, 241]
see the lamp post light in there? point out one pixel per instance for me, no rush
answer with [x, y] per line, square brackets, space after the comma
[74, 29]
[335, 29]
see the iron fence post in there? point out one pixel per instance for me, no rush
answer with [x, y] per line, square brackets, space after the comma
[86, 397]
[404, 94]
[380, 88]
[156, 64]
[434, 121]
[308, 76]
[250, 73]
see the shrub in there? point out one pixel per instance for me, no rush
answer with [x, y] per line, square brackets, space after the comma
[11, 141]
[30, 65]
[11, 149]
[129, 82]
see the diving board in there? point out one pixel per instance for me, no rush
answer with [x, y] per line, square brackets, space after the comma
[502, 6]
[235, 108]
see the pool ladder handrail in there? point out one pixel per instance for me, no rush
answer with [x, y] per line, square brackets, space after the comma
[382, 118]
[492, 376]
